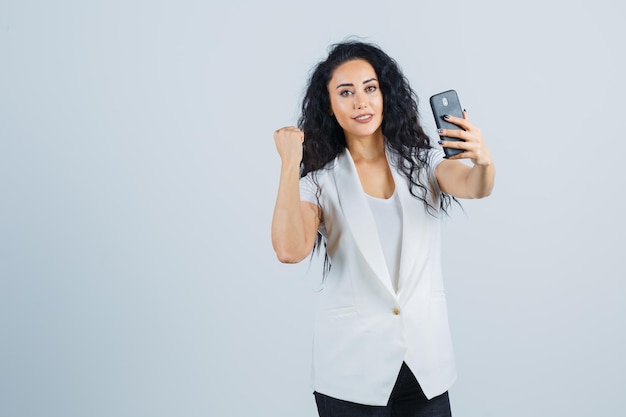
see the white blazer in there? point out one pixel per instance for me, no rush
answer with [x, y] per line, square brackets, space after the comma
[364, 330]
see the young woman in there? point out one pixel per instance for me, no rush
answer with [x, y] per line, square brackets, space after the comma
[360, 177]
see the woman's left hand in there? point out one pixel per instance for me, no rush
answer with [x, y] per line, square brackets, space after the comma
[472, 143]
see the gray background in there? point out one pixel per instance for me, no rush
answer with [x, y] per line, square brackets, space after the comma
[138, 176]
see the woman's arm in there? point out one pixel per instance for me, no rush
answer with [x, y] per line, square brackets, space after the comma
[295, 222]
[458, 179]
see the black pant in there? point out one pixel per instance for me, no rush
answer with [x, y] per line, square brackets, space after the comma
[407, 400]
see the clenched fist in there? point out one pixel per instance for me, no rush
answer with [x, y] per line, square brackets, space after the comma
[289, 142]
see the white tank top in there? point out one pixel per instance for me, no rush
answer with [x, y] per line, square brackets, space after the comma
[388, 216]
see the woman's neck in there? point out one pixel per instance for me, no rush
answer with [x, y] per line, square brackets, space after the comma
[366, 148]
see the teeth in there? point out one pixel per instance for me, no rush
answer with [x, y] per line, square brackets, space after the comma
[367, 116]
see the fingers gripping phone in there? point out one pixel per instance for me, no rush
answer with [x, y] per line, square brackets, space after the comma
[447, 103]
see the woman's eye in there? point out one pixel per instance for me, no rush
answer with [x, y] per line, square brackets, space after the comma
[370, 88]
[346, 93]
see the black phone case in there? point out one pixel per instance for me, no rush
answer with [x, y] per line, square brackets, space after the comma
[447, 103]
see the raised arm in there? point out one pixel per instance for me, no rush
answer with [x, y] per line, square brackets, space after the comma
[295, 222]
[458, 179]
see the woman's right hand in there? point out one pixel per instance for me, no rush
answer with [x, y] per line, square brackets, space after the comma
[289, 142]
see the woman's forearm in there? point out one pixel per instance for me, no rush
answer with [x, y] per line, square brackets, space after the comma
[481, 179]
[288, 230]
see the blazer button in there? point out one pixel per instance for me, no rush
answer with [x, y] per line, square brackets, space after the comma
[396, 311]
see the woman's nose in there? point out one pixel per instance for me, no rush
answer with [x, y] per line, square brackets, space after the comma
[359, 101]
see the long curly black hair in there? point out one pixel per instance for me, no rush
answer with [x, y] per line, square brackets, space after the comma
[401, 127]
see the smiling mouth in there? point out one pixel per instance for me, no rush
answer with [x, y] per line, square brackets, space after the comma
[364, 118]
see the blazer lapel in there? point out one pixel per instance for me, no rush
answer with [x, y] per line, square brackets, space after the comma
[416, 231]
[359, 217]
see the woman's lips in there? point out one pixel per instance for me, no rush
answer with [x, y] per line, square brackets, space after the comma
[364, 118]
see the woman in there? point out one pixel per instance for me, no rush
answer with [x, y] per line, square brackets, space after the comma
[360, 177]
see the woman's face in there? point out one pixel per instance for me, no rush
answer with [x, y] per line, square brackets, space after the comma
[355, 99]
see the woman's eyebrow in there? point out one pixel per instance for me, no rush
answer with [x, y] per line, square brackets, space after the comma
[352, 85]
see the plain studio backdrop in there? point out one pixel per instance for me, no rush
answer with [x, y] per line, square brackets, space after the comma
[138, 175]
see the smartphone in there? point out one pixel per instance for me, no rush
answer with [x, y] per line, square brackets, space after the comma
[447, 103]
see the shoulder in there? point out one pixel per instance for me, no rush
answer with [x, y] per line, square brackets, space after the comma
[432, 156]
[324, 172]
[315, 182]
[427, 158]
